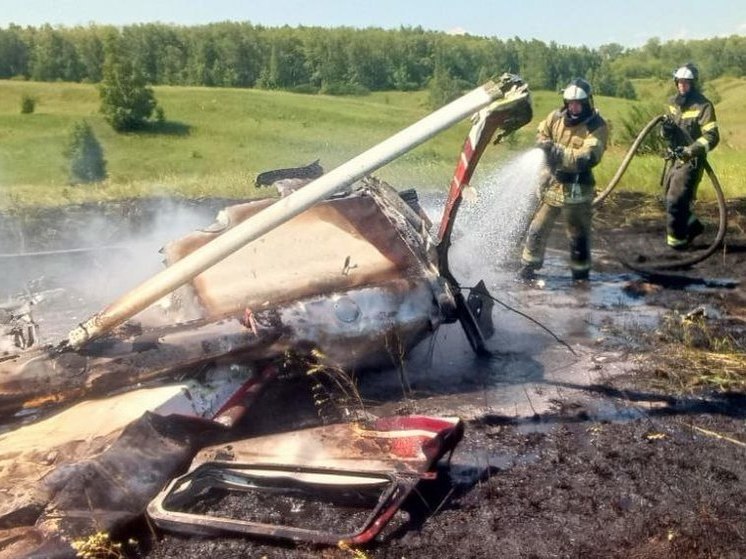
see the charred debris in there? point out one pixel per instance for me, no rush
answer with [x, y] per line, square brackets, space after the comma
[102, 426]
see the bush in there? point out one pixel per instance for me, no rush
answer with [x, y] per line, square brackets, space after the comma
[626, 90]
[304, 88]
[635, 121]
[126, 102]
[160, 114]
[442, 88]
[338, 88]
[87, 163]
[28, 104]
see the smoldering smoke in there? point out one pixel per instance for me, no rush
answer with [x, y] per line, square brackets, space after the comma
[94, 259]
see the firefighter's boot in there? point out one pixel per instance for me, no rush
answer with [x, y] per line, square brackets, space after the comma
[695, 230]
[580, 275]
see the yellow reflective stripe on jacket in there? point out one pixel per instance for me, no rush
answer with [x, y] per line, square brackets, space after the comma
[697, 119]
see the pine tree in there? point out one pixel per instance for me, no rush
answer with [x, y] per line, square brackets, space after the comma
[87, 163]
[126, 102]
[28, 104]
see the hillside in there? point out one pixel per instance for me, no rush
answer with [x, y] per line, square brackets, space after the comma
[217, 139]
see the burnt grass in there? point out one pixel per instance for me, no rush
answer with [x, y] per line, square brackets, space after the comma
[669, 482]
[645, 489]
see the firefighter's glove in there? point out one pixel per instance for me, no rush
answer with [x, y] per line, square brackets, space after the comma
[552, 151]
[696, 149]
[689, 152]
[668, 128]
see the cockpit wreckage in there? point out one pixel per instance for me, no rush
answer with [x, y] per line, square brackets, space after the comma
[96, 426]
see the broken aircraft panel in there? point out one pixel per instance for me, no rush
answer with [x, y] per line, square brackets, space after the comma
[347, 278]
[355, 475]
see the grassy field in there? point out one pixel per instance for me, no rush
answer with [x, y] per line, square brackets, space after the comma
[217, 140]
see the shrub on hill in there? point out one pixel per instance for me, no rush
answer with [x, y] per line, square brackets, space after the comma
[28, 104]
[86, 156]
[626, 90]
[126, 101]
[635, 120]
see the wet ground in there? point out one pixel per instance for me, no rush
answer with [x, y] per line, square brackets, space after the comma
[583, 438]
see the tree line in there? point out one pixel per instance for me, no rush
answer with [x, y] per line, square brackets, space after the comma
[344, 60]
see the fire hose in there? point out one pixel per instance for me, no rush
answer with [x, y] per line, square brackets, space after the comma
[722, 221]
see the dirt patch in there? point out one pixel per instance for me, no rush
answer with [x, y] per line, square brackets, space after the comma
[649, 463]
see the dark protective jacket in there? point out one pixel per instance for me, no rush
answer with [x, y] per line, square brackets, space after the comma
[583, 145]
[696, 116]
[697, 130]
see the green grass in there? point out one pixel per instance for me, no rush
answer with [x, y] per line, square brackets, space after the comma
[233, 134]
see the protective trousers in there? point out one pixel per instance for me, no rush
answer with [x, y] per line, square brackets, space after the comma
[578, 226]
[681, 182]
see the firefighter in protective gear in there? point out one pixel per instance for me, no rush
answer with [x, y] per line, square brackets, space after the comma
[691, 130]
[573, 139]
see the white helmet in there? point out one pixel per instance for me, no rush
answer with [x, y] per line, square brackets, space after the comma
[577, 90]
[686, 72]
[683, 73]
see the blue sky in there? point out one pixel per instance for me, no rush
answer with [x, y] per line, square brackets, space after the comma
[591, 23]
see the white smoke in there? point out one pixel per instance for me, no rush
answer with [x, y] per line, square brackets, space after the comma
[134, 255]
[96, 257]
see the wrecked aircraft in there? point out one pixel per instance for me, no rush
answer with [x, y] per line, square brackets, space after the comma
[334, 277]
